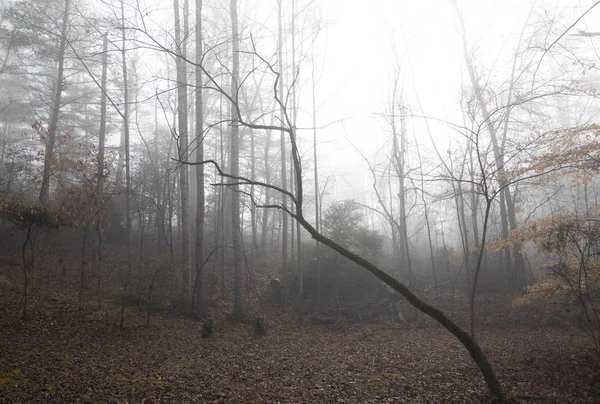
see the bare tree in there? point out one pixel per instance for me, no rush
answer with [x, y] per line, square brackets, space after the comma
[515, 267]
[316, 175]
[234, 181]
[125, 117]
[182, 118]
[284, 238]
[58, 87]
[101, 154]
[239, 305]
[200, 287]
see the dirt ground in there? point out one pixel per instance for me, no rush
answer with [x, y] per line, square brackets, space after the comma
[63, 355]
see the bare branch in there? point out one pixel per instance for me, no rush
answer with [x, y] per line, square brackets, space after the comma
[244, 180]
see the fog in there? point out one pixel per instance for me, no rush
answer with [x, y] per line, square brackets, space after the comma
[300, 171]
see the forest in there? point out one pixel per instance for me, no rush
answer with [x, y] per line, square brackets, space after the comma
[299, 201]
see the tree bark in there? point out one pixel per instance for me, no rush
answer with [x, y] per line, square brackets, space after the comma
[127, 160]
[295, 73]
[428, 226]
[399, 162]
[182, 122]
[265, 215]
[316, 173]
[99, 201]
[252, 205]
[200, 287]
[3, 147]
[284, 237]
[494, 385]
[53, 126]
[514, 270]
[239, 309]
[161, 236]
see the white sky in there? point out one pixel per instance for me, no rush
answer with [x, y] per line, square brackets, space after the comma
[359, 60]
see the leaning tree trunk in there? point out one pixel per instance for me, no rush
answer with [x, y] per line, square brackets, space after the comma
[494, 386]
[463, 336]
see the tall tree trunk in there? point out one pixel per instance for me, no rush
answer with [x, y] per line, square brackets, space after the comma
[519, 260]
[461, 218]
[239, 305]
[26, 265]
[474, 198]
[295, 74]
[265, 215]
[222, 204]
[182, 121]
[284, 218]
[513, 275]
[200, 290]
[399, 162]
[252, 206]
[160, 200]
[121, 158]
[428, 225]
[3, 147]
[168, 196]
[488, 205]
[102, 131]
[101, 146]
[292, 260]
[316, 173]
[221, 214]
[127, 159]
[396, 246]
[519, 263]
[53, 126]
[253, 216]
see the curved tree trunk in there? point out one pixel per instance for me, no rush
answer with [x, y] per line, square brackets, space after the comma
[494, 386]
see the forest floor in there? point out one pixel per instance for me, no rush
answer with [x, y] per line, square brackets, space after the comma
[65, 355]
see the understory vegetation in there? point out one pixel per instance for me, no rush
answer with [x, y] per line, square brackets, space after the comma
[207, 201]
[353, 350]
